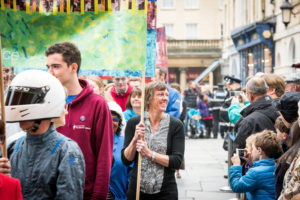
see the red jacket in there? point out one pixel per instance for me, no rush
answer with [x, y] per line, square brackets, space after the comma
[89, 123]
[121, 99]
[10, 188]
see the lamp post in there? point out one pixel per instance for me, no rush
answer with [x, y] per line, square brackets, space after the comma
[286, 10]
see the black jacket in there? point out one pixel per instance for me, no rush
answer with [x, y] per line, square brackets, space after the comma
[216, 103]
[258, 116]
[190, 98]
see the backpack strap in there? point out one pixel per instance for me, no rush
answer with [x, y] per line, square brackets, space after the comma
[56, 145]
[19, 143]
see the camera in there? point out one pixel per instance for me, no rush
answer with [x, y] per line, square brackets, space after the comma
[237, 94]
[241, 152]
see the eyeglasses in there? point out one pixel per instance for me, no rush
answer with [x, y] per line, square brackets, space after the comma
[115, 119]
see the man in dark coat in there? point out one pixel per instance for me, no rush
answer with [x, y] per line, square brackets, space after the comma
[190, 98]
[259, 115]
[190, 95]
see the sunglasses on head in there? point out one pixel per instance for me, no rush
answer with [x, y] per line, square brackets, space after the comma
[115, 119]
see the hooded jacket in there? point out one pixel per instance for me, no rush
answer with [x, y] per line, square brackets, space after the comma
[256, 117]
[121, 99]
[258, 182]
[49, 166]
[89, 123]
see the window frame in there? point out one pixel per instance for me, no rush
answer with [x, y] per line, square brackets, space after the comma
[191, 8]
[168, 8]
[186, 32]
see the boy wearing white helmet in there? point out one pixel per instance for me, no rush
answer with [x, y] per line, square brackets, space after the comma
[48, 164]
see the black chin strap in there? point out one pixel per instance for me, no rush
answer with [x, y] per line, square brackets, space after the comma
[35, 126]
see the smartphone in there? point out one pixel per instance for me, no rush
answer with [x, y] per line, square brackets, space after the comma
[241, 152]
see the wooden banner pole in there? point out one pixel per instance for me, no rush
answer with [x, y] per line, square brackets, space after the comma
[138, 182]
[4, 150]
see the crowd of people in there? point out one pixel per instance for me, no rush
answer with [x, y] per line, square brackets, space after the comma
[74, 137]
[266, 130]
[77, 138]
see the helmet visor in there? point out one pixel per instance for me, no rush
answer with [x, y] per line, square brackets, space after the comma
[20, 95]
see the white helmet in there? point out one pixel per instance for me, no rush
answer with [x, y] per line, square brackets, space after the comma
[34, 95]
[113, 106]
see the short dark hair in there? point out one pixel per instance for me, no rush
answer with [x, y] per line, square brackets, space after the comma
[69, 51]
[175, 86]
[269, 143]
[279, 124]
[162, 71]
[134, 92]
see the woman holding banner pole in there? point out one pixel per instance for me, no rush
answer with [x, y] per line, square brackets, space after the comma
[162, 149]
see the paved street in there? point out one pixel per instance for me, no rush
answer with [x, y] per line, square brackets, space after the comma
[204, 170]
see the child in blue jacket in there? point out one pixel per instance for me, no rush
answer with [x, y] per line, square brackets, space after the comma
[259, 181]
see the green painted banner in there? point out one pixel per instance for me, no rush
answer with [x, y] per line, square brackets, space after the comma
[111, 43]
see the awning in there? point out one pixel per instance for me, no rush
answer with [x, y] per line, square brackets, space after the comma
[211, 68]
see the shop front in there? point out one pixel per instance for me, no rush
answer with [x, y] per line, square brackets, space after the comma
[255, 45]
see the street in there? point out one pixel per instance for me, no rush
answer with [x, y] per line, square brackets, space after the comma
[204, 170]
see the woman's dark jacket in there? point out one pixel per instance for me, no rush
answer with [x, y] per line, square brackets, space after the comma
[175, 150]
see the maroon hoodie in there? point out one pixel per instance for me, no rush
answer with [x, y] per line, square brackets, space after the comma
[121, 99]
[89, 123]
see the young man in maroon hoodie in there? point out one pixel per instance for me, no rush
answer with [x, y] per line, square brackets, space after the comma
[88, 122]
[120, 91]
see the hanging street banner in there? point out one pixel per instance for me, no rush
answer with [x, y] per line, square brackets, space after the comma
[111, 43]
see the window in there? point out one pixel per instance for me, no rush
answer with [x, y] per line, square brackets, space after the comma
[221, 4]
[169, 30]
[191, 31]
[168, 4]
[191, 4]
[292, 51]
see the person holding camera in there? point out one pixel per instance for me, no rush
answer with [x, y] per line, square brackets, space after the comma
[259, 180]
[239, 102]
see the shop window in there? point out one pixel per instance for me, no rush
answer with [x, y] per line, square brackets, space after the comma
[250, 64]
